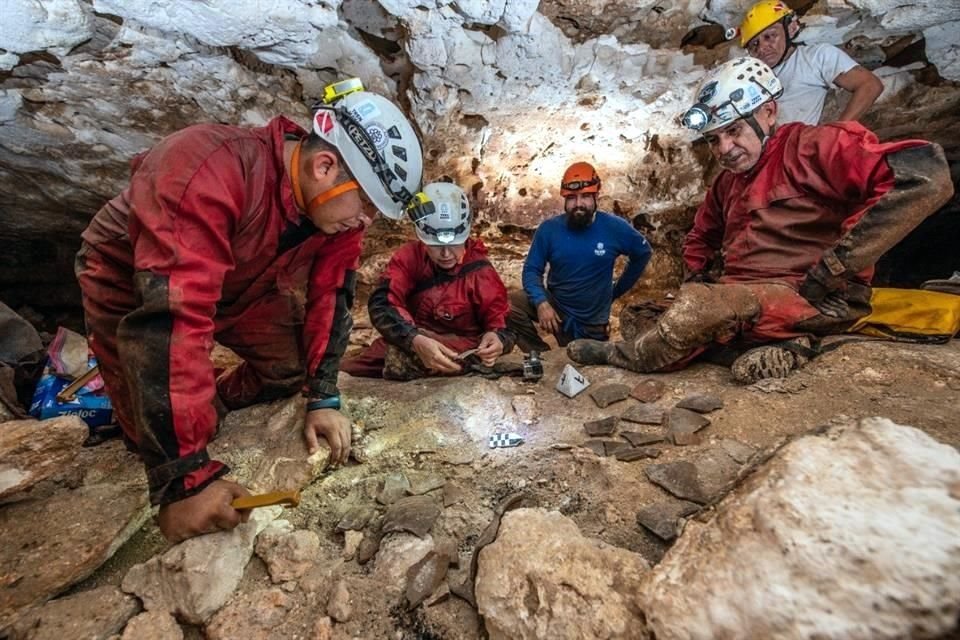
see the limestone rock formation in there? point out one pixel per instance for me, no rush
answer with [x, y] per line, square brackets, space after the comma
[505, 94]
[850, 533]
[542, 578]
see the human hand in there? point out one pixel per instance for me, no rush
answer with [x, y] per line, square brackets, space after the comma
[435, 355]
[490, 348]
[547, 317]
[204, 512]
[332, 426]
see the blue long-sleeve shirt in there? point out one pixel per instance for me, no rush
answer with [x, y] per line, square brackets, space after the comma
[580, 279]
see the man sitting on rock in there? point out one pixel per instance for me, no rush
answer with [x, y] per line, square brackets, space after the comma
[580, 247]
[247, 236]
[806, 72]
[438, 297]
[797, 219]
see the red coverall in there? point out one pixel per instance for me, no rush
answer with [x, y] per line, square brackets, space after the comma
[456, 307]
[205, 244]
[771, 224]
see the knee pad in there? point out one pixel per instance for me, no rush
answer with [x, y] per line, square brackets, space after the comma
[702, 313]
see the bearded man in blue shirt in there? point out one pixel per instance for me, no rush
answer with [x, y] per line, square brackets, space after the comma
[580, 248]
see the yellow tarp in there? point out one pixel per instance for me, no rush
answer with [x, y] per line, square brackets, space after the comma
[906, 312]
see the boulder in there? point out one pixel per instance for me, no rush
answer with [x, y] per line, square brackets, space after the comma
[194, 579]
[542, 578]
[846, 533]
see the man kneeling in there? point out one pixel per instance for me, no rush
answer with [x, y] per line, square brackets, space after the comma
[438, 297]
[799, 216]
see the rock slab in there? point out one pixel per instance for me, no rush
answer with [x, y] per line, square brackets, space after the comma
[523, 591]
[97, 613]
[415, 514]
[648, 390]
[847, 533]
[661, 518]
[601, 427]
[34, 450]
[701, 403]
[609, 393]
[643, 413]
[685, 421]
[51, 543]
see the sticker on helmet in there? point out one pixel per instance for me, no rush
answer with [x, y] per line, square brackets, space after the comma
[378, 135]
[324, 121]
[445, 214]
[708, 92]
[364, 110]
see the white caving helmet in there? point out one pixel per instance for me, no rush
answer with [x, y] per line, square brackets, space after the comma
[441, 214]
[732, 91]
[377, 143]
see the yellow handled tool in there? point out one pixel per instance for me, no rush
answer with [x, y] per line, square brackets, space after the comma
[69, 392]
[286, 498]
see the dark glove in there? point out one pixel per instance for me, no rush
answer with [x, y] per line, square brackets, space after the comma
[819, 283]
[824, 291]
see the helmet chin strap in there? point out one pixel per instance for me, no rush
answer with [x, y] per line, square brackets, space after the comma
[757, 129]
[319, 199]
[787, 37]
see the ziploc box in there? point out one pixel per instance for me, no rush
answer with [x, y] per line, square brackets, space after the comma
[93, 407]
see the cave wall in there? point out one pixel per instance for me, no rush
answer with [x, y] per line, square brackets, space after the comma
[505, 94]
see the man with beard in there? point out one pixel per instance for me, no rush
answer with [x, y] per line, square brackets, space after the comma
[580, 247]
[438, 297]
[797, 219]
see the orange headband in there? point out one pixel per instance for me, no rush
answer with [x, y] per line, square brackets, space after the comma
[329, 194]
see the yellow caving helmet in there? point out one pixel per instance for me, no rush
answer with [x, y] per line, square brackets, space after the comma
[760, 16]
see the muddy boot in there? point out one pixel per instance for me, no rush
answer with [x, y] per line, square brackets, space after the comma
[769, 361]
[399, 365]
[616, 354]
[589, 351]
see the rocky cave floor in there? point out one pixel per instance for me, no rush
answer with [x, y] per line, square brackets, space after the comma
[431, 436]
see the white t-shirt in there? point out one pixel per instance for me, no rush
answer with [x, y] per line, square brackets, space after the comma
[807, 75]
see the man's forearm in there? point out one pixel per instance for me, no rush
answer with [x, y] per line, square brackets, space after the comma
[861, 100]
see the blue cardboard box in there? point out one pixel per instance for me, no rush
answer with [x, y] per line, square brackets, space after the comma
[93, 407]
